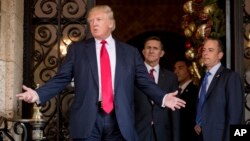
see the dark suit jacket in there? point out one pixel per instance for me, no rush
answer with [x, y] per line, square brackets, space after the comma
[223, 105]
[189, 94]
[166, 122]
[81, 64]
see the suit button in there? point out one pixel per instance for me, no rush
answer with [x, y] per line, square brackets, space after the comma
[152, 123]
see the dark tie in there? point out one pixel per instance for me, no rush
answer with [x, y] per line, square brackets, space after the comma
[202, 98]
[151, 74]
[106, 79]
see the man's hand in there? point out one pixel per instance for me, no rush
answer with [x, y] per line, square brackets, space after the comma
[173, 102]
[29, 95]
[197, 129]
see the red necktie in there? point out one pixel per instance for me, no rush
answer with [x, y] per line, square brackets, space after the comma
[106, 79]
[151, 73]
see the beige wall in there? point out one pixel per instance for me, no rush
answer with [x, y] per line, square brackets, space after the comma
[11, 55]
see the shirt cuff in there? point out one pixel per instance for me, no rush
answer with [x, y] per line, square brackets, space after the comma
[163, 104]
[37, 98]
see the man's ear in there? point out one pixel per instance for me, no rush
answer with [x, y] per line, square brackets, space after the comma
[221, 55]
[143, 52]
[162, 53]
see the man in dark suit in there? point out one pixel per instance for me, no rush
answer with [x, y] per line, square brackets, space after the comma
[154, 123]
[223, 99]
[104, 100]
[189, 93]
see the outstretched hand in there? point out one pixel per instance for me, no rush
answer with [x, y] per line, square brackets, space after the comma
[173, 102]
[29, 95]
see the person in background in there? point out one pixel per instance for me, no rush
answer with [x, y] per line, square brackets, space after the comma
[154, 123]
[220, 102]
[189, 93]
[104, 71]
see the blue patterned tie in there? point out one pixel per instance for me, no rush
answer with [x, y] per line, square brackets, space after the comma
[202, 98]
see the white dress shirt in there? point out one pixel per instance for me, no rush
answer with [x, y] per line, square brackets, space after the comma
[156, 72]
[110, 46]
[212, 71]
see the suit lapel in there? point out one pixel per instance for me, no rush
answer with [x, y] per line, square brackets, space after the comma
[91, 49]
[214, 81]
[161, 77]
[118, 66]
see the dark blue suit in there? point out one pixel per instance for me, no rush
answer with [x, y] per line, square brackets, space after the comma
[166, 121]
[81, 64]
[223, 105]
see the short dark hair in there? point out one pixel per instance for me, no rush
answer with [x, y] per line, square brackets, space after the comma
[220, 44]
[188, 63]
[154, 38]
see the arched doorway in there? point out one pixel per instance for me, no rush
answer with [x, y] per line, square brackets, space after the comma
[173, 46]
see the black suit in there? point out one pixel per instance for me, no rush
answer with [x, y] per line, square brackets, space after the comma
[166, 122]
[189, 94]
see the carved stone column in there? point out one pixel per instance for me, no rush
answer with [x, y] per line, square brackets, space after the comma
[11, 55]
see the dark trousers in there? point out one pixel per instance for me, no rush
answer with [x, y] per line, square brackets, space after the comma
[105, 129]
[154, 137]
[200, 137]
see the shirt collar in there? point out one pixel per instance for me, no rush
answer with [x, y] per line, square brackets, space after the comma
[109, 40]
[214, 69]
[183, 86]
[157, 67]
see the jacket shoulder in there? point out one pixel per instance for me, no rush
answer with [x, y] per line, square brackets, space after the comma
[227, 71]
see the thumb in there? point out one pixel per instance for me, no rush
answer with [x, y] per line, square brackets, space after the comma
[25, 88]
[175, 93]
